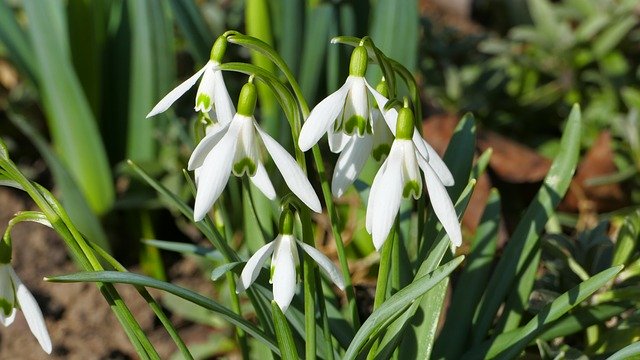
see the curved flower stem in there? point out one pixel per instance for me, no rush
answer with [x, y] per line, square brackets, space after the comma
[326, 330]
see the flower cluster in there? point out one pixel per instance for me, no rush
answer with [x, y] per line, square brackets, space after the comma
[358, 126]
[346, 116]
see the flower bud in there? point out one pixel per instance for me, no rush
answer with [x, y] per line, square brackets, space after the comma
[358, 64]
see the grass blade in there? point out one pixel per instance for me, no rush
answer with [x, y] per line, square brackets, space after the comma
[115, 277]
[394, 306]
[283, 334]
[527, 233]
[71, 122]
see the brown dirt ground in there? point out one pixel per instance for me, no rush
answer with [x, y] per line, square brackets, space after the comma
[78, 318]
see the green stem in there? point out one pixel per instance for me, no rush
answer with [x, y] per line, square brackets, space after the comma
[383, 279]
[326, 330]
[309, 271]
[235, 306]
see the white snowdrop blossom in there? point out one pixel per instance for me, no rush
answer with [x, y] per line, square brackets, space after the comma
[13, 295]
[235, 148]
[284, 263]
[399, 177]
[212, 95]
[354, 126]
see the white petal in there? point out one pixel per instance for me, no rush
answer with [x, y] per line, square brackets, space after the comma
[438, 165]
[350, 163]
[261, 180]
[373, 194]
[206, 88]
[253, 266]
[337, 140]
[174, 94]
[32, 314]
[442, 205]
[215, 172]
[284, 273]
[323, 116]
[358, 97]
[205, 146]
[380, 99]
[8, 320]
[386, 201]
[223, 104]
[247, 146]
[325, 264]
[294, 176]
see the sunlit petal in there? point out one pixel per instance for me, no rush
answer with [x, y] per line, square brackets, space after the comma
[338, 140]
[284, 272]
[261, 180]
[223, 104]
[373, 194]
[442, 205]
[32, 314]
[8, 319]
[350, 163]
[322, 117]
[325, 264]
[293, 176]
[252, 269]
[174, 94]
[216, 169]
[205, 94]
[384, 205]
[205, 146]
[438, 165]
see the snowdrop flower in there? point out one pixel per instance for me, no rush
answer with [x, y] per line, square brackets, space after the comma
[284, 263]
[359, 148]
[212, 92]
[399, 177]
[345, 112]
[234, 148]
[13, 295]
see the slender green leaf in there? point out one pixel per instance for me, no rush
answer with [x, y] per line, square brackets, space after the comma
[194, 28]
[611, 37]
[471, 283]
[626, 241]
[71, 122]
[283, 334]
[15, 40]
[115, 277]
[508, 345]
[526, 235]
[74, 202]
[185, 248]
[393, 307]
[320, 18]
[631, 351]
[582, 318]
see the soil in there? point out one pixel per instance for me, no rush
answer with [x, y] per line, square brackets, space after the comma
[80, 322]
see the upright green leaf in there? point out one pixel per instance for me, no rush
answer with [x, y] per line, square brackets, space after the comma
[71, 122]
[527, 233]
[13, 37]
[283, 334]
[471, 283]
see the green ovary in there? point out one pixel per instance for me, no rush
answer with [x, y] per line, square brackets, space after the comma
[6, 307]
[411, 187]
[243, 165]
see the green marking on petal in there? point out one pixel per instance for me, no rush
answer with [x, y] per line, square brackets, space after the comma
[381, 151]
[204, 101]
[356, 122]
[245, 165]
[6, 306]
[411, 187]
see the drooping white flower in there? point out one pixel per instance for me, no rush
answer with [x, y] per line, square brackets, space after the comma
[235, 148]
[284, 263]
[13, 295]
[212, 93]
[399, 177]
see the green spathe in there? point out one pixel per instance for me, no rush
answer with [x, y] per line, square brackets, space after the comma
[405, 125]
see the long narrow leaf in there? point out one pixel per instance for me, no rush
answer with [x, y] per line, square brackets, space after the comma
[116, 277]
[71, 122]
[527, 233]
